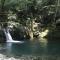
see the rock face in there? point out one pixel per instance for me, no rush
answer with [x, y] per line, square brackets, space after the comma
[54, 35]
[2, 36]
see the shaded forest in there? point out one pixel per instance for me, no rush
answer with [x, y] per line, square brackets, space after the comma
[26, 18]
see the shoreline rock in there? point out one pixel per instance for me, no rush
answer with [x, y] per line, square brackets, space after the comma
[26, 57]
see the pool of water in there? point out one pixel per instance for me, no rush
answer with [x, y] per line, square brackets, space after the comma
[34, 48]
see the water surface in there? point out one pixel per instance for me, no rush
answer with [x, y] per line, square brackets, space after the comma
[34, 48]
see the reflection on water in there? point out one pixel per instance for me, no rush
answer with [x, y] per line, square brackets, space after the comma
[8, 48]
[40, 47]
[43, 42]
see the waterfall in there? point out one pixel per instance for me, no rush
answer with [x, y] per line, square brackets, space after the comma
[9, 37]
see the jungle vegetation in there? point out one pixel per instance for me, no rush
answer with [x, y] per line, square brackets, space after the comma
[24, 12]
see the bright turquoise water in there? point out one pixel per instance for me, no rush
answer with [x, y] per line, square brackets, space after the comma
[30, 48]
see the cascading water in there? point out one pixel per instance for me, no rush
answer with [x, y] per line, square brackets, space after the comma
[9, 37]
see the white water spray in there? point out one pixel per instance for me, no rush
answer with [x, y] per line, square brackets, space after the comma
[9, 37]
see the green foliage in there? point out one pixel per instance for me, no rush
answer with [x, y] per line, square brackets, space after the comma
[46, 9]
